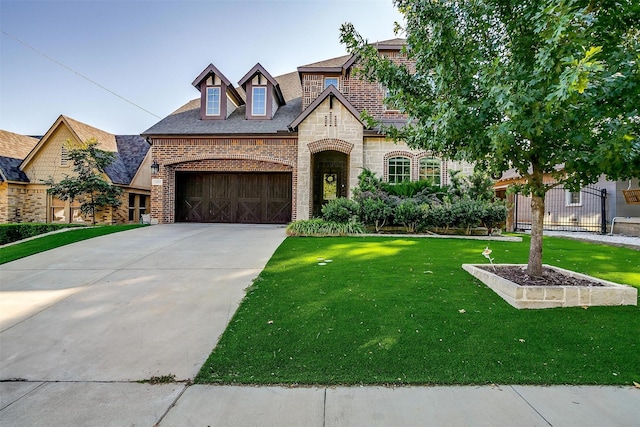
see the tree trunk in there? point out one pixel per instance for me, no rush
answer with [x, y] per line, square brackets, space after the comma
[538, 191]
[534, 267]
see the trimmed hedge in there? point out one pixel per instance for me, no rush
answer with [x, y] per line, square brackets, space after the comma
[13, 232]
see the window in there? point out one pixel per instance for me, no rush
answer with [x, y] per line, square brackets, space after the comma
[399, 170]
[574, 198]
[389, 104]
[328, 81]
[430, 170]
[259, 101]
[137, 206]
[213, 101]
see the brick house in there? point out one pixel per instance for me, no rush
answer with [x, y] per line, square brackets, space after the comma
[26, 163]
[275, 149]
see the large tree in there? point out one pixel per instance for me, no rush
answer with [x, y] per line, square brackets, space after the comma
[88, 184]
[546, 87]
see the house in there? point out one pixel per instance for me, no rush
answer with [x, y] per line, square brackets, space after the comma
[13, 148]
[601, 207]
[275, 149]
[27, 163]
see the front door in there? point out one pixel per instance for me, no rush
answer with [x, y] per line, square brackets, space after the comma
[329, 178]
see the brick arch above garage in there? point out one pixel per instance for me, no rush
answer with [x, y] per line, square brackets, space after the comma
[235, 163]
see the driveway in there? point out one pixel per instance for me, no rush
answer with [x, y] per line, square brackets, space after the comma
[128, 306]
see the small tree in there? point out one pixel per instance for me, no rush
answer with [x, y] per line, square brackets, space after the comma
[522, 84]
[88, 184]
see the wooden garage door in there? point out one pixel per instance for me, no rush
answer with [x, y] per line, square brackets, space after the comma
[253, 198]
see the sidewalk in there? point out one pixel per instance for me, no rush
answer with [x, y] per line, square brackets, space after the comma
[82, 325]
[131, 404]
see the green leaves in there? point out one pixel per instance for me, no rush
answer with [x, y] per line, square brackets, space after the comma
[88, 184]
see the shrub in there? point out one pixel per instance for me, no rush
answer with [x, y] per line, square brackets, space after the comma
[375, 211]
[367, 182]
[13, 232]
[466, 214]
[407, 189]
[493, 214]
[408, 213]
[320, 228]
[341, 210]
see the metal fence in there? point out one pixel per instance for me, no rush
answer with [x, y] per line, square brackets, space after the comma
[566, 211]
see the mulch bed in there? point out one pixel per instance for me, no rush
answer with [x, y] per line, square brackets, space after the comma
[549, 277]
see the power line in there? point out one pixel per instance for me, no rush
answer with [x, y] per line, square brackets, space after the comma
[79, 74]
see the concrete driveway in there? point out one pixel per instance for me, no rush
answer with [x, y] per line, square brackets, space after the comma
[128, 306]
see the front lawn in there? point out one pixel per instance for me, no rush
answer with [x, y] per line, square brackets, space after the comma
[399, 311]
[51, 241]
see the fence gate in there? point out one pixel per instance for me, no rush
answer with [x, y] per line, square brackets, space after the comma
[566, 211]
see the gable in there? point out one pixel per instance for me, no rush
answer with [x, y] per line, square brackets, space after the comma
[45, 161]
[329, 98]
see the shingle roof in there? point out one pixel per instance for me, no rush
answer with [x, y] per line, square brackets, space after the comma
[186, 121]
[14, 145]
[10, 170]
[106, 140]
[131, 152]
[333, 62]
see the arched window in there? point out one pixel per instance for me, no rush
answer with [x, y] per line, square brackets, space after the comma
[430, 169]
[399, 169]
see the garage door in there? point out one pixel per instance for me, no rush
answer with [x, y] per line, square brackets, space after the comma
[252, 198]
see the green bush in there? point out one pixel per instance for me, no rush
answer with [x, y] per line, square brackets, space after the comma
[407, 189]
[494, 214]
[466, 214]
[375, 212]
[13, 232]
[367, 181]
[341, 210]
[320, 227]
[409, 213]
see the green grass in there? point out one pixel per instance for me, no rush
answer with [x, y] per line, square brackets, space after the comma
[388, 311]
[44, 243]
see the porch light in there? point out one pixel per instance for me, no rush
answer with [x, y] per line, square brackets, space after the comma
[155, 167]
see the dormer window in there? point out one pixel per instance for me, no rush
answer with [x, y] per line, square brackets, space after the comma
[264, 96]
[259, 101]
[213, 101]
[328, 81]
[218, 98]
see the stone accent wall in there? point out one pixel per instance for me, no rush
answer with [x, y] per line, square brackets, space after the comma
[4, 202]
[334, 129]
[33, 203]
[242, 154]
[377, 150]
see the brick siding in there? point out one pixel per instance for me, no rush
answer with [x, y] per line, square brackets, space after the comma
[217, 155]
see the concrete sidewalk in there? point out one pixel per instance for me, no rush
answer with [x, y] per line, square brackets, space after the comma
[81, 325]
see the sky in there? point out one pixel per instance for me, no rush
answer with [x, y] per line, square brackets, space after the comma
[81, 58]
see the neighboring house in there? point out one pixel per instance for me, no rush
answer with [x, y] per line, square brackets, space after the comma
[273, 150]
[594, 208]
[13, 148]
[25, 174]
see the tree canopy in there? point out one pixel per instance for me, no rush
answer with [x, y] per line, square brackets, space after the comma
[528, 85]
[88, 184]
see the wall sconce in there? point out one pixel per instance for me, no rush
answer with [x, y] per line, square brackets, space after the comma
[155, 168]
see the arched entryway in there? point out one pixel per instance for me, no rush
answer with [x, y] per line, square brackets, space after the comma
[330, 178]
